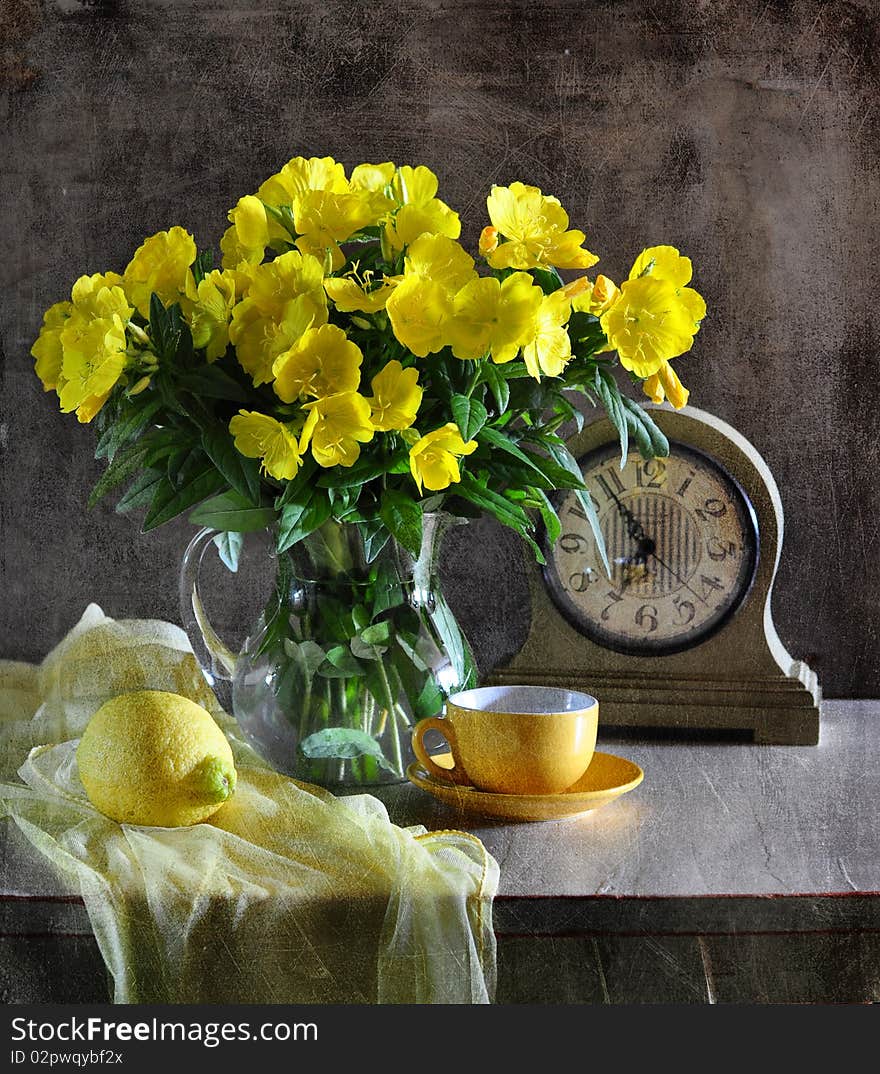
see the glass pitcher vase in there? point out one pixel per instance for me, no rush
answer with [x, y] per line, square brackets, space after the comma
[351, 650]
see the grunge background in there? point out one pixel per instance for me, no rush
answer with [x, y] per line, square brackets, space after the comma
[746, 133]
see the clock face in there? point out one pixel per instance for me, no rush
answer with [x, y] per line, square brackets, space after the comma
[682, 545]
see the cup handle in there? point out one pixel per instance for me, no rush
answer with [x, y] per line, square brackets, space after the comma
[437, 723]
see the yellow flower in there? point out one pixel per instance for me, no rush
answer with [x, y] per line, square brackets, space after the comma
[324, 219]
[212, 304]
[396, 397]
[100, 295]
[323, 361]
[433, 459]
[664, 384]
[301, 174]
[94, 359]
[348, 296]
[667, 264]
[259, 436]
[160, 265]
[246, 240]
[47, 348]
[440, 259]
[92, 344]
[419, 311]
[336, 427]
[595, 298]
[650, 324]
[422, 305]
[535, 228]
[327, 208]
[550, 347]
[372, 177]
[420, 211]
[285, 297]
[492, 317]
[664, 263]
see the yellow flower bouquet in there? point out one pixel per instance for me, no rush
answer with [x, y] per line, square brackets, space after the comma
[347, 377]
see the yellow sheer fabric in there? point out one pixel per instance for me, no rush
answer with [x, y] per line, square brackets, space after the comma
[288, 894]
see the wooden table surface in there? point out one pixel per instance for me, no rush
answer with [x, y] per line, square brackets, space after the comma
[733, 872]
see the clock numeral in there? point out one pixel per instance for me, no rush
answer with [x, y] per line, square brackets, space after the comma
[613, 477]
[613, 598]
[578, 511]
[712, 507]
[684, 611]
[646, 617]
[709, 586]
[719, 550]
[683, 487]
[651, 474]
[573, 542]
[580, 581]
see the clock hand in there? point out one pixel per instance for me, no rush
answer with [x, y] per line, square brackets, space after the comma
[678, 577]
[647, 546]
[633, 526]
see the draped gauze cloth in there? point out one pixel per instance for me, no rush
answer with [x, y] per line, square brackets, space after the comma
[287, 895]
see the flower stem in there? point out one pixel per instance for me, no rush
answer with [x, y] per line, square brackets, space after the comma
[390, 704]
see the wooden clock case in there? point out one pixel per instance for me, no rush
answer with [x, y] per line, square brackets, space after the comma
[741, 678]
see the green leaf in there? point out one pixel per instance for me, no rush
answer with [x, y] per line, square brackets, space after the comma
[140, 492]
[124, 465]
[559, 477]
[549, 516]
[164, 328]
[565, 458]
[586, 334]
[376, 634]
[151, 447]
[514, 370]
[212, 382]
[375, 536]
[498, 386]
[651, 440]
[388, 589]
[453, 640]
[299, 490]
[498, 440]
[340, 664]
[229, 547]
[548, 280]
[130, 422]
[234, 512]
[363, 651]
[243, 474]
[308, 654]
[169, 501]
[470, 415]
[609, 394]
[507, 513]
[403, 519]
[344, 742]
[202, 265]
[499, 506]
[348, 476]
[299, 520]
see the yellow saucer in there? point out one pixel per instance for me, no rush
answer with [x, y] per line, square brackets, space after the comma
[607, 778]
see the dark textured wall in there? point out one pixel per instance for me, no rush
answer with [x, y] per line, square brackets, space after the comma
[744, 132]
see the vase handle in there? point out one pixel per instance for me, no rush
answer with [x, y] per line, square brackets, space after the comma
[216, 659]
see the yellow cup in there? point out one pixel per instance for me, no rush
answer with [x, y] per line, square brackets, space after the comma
[514, 739]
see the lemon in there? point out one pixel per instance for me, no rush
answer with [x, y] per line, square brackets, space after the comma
[155, 758]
